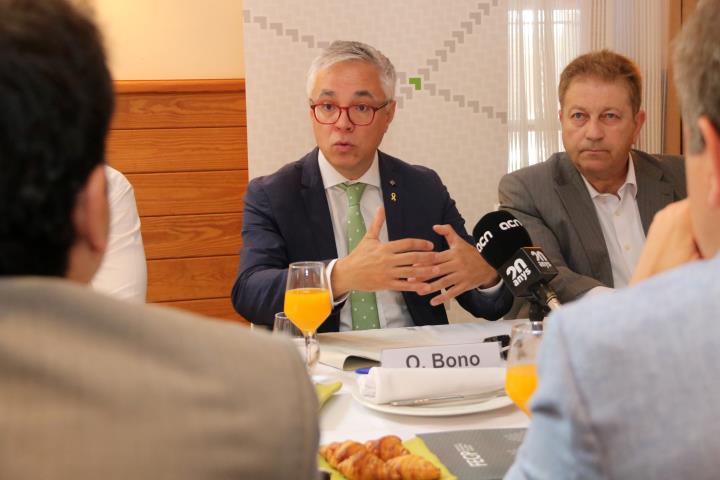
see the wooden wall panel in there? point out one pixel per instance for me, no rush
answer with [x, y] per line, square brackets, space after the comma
[213, 307]
[688, 7]
[191, 278]
[178, 149]
[234, 85]
[171, 110]
[672, 142]
[680, 11]
[183, 147]
[189, 193]
[192, 235]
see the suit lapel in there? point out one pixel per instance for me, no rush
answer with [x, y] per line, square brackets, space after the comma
[653, 194]
[317, 211]
[583, 217]
[392, 191]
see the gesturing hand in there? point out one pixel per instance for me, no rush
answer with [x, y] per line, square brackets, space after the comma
[374, 265]
[460, 268]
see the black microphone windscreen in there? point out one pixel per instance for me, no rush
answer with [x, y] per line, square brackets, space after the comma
[498, 236]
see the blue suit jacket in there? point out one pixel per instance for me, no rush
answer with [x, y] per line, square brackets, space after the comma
[287, 219]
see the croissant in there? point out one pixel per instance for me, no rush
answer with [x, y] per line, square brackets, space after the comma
[363, 465]
[381, 459]
[387, 447]
[337, 452]
[412, 467]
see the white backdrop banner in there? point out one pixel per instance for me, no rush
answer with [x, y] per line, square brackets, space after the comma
[451, 59]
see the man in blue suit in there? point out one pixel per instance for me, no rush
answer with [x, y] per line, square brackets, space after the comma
[388, 231]
[629, 380]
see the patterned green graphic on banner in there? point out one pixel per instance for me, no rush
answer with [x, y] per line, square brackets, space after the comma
[363, 304]
[466, 28]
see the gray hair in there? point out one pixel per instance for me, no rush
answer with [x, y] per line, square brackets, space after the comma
[343, 51]
[697, 71]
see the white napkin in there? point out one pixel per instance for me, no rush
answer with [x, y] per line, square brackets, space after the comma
[384, 385]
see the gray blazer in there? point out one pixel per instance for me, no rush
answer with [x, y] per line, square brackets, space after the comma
[629, 384]
[552, 202]
[91, 387]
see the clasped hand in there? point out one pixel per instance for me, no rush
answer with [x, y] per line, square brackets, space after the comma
[374, 265]
[458, 269]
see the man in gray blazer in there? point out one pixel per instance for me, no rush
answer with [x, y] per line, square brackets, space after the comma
[91, 387]
[628, 380]
[590, 207]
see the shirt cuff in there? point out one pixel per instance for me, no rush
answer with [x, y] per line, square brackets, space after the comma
[328, 272]
[491, 290]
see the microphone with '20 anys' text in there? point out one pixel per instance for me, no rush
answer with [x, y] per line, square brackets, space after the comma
[505, 244]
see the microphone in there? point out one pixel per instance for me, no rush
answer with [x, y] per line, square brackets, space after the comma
[505, 244]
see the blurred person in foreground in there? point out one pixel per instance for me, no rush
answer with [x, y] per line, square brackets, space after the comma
[389, 231]
[590, 207]
[629, 380]
[93, 387]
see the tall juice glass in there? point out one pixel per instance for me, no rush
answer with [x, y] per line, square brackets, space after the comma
[521, 376]
[307, 303]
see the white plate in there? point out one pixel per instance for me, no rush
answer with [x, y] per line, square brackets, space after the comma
[438, 409]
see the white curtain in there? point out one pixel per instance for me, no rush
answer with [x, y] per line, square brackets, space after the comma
[638, 30]
[545, 35]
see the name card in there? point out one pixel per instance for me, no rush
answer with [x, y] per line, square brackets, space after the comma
[466, 355]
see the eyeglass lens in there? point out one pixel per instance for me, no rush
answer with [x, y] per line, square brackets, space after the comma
[329, 113]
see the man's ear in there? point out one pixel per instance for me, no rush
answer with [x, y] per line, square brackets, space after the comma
[639, 122]
[91, 214]
[711, 138]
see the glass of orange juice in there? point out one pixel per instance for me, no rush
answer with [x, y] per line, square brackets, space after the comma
[521, 375]
[307, 303]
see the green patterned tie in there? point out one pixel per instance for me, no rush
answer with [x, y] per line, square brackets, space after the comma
[363, 304]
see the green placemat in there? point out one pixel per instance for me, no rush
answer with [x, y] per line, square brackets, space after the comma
[326, 390]
[414, 445]
[417, 446]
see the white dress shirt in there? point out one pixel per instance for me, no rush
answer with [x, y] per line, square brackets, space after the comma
[621, 225]
[392, 310]
[123, 272]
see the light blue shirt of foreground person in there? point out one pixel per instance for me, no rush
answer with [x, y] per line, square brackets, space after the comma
[630, 384]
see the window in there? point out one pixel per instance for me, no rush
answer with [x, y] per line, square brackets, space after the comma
[541, 41]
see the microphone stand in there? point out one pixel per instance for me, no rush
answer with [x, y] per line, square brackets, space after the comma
[538, 310]
[543, 300]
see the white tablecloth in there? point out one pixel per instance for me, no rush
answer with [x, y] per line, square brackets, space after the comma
[344, 418]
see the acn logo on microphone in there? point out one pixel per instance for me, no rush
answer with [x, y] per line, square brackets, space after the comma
[483, 240]
[507, 225]
[541, 259]
[518, 272]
